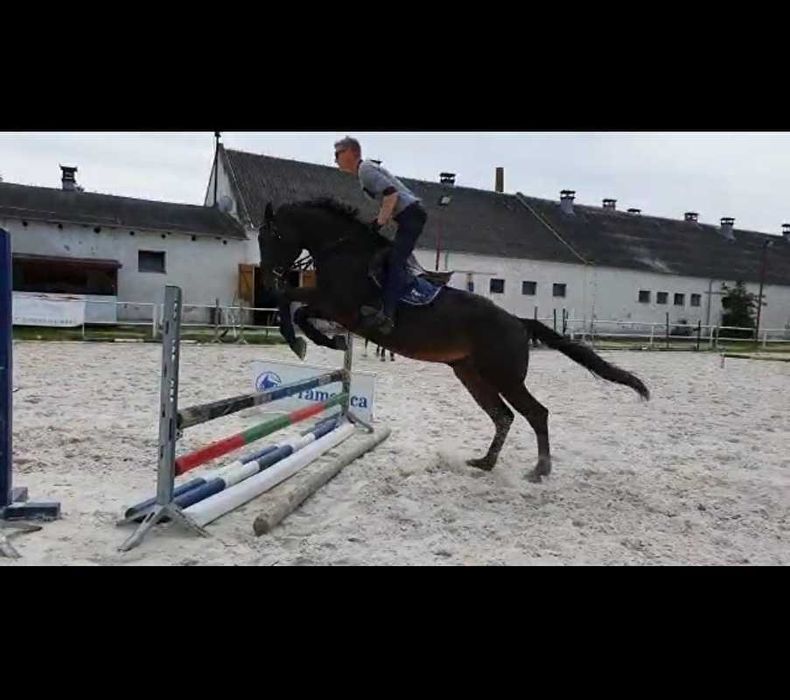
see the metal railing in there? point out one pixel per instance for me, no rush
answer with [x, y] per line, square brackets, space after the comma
[657, 334]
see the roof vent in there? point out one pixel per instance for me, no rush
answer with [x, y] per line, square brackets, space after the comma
[67, 179]
[566, 201]
[447, 179]
[499, 185]
[691, 216]
[610, 204]
[786, 232]
[635, 212]
[727, 226]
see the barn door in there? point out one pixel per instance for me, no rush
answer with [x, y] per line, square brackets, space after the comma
[308, 279]
[246, 290]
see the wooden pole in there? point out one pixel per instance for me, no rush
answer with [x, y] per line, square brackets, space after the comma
[287, 497]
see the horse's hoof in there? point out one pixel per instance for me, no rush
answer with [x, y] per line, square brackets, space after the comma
[300, 348]
[485, 464]
[542, 468]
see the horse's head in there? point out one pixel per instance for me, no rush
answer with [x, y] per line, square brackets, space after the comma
[280, 245]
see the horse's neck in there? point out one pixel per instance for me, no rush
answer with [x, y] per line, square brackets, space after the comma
[322, 249]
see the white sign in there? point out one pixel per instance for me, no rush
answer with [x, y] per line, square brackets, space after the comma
[62, 311]
[269, 375]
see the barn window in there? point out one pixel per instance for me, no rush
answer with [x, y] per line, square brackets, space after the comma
[497, 286]
[560, 289]
[644, 296]
[150, 261]
[696, 299]
[661, 297]
[680, 299]
[529, 288]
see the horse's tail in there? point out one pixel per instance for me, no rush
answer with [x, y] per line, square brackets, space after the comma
[585, 357]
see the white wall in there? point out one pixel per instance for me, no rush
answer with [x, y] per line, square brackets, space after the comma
[605, 293]
[206, 269]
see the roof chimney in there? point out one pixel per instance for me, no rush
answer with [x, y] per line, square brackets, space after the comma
[447, 179]
[500, 180]
[727, 226]
[786, 232]
[566, 201]
[691, 216]
[68, 181]
[610, 204]
[635, 212]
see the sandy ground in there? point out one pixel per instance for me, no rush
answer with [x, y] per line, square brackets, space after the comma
[700, 475]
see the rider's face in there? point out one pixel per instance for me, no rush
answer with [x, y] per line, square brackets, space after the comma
[346, 159]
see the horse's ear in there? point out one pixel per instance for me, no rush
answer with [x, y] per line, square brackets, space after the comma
[268, 215]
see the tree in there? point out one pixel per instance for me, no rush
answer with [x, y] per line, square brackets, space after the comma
[739, 307]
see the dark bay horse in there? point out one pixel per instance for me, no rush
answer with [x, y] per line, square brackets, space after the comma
[486, 347]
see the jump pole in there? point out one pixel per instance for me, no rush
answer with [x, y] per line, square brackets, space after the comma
[13, 501]
[218, 480]
[210, 509]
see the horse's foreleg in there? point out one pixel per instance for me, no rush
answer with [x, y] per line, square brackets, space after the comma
[303, 317]
[310, 297]
[287, 331]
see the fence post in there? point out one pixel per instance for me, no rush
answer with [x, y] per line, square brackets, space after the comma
[216, 320]
[699, 333]
[667, 330]
[765, 339]
[555, 320]
[652, 334]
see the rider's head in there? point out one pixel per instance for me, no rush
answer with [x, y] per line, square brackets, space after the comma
[348, 154]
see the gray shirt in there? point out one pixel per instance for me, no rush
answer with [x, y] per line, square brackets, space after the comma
[377, 183]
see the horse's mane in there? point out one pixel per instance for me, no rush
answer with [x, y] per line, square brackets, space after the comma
[333, 206]
[340, 209]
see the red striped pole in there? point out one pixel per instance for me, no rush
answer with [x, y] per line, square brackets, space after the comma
[192, 460]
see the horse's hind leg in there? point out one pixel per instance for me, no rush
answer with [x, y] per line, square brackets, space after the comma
[538, 416]
[487, 397]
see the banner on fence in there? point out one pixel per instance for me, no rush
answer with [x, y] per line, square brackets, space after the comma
[54, 310]
[269, 375]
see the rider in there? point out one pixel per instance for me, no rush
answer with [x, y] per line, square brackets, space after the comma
[398, 203]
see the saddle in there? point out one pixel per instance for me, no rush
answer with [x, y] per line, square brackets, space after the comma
[414, 271]
[422, 287]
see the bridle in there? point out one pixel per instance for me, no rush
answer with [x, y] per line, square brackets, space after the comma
[304, 262]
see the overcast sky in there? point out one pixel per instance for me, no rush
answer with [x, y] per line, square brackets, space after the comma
[744, 175]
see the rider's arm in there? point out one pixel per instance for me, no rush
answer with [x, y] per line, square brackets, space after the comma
[387, 207]
[375, 184]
